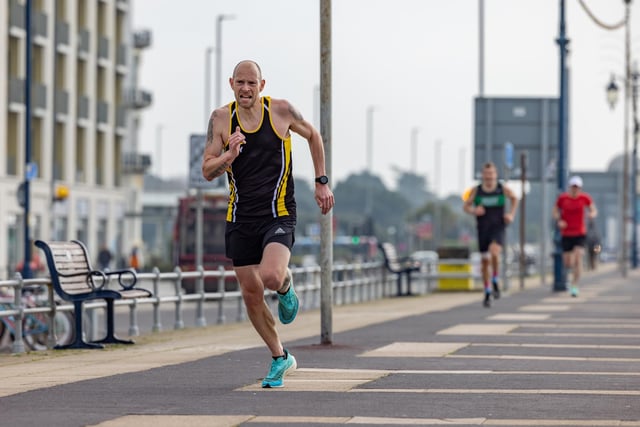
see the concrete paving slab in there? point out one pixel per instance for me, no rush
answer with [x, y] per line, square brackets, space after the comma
[415, 349]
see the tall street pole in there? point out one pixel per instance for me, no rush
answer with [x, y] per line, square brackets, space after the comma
[369, 151]
[218, 48]
[437, 226]
[436, 167]
[634, 164]
[159, 129]
[26, 267]
[625, 166]
[207, 84]
[326, 221]
[414, 150]
[480, 48]
[559, 282]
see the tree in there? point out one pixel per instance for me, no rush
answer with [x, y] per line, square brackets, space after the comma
[389, 209]
[306, 207]
[413, 187]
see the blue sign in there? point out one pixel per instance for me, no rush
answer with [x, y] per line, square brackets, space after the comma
[508, 155]
[31, 171]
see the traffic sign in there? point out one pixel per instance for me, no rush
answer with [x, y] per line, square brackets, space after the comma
[31, 171]
[196, 180]
[508, 155]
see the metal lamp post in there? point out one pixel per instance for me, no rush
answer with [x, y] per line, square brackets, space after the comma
[559, 283]
[612, 95]
[218, 49]
[26, 265]
[612, 98]
[207, 83]
[159, 129]
[414, 149]
[369, 195]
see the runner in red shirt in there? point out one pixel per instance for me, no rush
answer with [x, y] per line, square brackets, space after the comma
[569, 213]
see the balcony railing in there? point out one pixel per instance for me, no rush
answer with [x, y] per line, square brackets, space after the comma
[62, 33]
[62, 102]
[38, 93]
[83, 107]
[16, 14]
[84, 38]
[103, 48]
[142, 39]
[39, 96]
[16, 91]
[102, 111]
[135, 163]
[138, 98]
[121, 55]
[39, 23]
[121, 116]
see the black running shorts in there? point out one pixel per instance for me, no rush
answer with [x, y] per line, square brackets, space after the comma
[246, 241]
[489, 234]
[570, 242]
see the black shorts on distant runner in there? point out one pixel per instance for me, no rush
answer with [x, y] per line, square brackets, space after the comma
[487, 235]
[245, 241]
[570, 242]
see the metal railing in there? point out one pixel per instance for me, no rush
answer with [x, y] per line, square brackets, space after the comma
[352, 283]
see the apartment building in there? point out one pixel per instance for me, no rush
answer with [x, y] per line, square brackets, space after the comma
[85, 106]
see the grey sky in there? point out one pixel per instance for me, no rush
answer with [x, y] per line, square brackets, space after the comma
[415, 60]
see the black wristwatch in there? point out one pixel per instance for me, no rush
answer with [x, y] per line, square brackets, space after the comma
[322, 180]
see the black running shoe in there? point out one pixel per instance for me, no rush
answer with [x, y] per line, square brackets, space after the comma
[496, 289]
[487, 299]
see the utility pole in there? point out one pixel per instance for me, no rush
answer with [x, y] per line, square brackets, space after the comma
[26, 267]
[326, 221]
[559, 282]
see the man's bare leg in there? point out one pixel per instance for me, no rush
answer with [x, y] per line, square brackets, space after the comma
[577, 255]
[495, 250]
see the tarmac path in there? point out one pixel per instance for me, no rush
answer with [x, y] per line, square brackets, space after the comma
[536, 358]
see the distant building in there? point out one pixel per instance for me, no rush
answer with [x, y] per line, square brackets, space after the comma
[84, 118]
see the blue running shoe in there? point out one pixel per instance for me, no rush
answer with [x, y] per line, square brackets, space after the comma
[574, 291]
[288, 303]
[280, 366]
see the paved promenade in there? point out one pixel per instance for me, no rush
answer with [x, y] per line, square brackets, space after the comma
[536, 358]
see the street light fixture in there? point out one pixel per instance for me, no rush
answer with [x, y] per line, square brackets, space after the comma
[612, 93]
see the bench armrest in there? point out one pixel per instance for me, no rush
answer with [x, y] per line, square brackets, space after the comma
[89, 275]
[126, 278]
[407, 261]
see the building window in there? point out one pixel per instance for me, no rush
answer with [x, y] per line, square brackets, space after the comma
[98, 162]
[82, 223]
[58, 152]
[12, 144]
[81, 175]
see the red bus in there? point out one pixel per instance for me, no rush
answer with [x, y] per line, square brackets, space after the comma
[214, 213]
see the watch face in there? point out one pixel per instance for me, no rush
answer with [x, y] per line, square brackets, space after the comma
[322, 180]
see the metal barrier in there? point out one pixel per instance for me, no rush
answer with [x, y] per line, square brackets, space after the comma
[352, 283]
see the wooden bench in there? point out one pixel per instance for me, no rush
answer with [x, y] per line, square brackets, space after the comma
[74, 280]
[398, 265]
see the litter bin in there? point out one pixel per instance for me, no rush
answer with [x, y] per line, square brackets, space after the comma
[454, 259]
